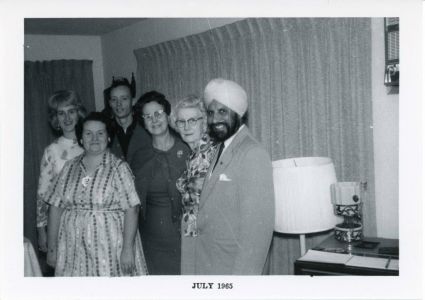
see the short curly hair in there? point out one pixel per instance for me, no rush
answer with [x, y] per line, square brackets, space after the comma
[95, 116]
[190, 101]
[68, 97]
[152, 96]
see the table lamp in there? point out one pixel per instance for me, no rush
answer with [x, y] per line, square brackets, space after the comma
[347, 202]
[303, 196]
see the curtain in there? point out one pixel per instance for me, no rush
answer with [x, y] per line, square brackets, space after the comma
[308, 82]
[41, 79]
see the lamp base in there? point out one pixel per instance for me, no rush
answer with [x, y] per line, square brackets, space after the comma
[344, 234]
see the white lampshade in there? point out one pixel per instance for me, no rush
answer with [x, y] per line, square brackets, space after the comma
[303, 195]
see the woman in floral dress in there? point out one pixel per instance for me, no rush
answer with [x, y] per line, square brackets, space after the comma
[65, 111]
[190, 119]
[94, 210]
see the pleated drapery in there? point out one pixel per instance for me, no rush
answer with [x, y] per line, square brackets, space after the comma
[41, 80]
[308, 82]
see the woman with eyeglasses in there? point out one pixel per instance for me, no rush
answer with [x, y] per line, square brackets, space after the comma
[190, 119]
[156, 170]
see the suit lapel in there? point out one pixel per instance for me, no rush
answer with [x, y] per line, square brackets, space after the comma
[225, 159]
[209, 177]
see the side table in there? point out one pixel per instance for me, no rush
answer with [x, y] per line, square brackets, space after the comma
[372, 257]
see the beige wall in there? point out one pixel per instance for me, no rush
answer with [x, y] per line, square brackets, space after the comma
[118, 46]
[385, 140]
[50, 47]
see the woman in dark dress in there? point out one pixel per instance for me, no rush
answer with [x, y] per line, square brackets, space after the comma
[156, 171]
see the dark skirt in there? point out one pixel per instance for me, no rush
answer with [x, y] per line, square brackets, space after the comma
[161, 239]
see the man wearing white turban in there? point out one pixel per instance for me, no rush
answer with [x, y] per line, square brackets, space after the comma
[236, 209]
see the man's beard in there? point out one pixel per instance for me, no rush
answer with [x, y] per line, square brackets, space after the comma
[220, 135]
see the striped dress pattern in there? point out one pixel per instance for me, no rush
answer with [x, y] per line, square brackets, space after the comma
[90, 237]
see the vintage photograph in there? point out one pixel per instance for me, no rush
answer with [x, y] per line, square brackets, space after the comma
[175, 148]
[281, 96]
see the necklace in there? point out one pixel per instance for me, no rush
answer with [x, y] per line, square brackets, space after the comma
[86, 180]
[90, 167]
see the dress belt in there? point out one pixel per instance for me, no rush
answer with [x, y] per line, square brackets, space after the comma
[94, 210]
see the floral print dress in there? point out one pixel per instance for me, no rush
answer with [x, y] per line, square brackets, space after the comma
[54, 158]
[191, 182]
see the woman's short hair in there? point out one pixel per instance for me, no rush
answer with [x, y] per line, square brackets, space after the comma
[63, 97]
[190, 101]
[152, 96]
[95, 116]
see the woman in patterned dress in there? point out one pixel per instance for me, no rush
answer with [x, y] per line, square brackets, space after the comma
[94, 210]
[156, 170]
[190, 119]
[65, 111]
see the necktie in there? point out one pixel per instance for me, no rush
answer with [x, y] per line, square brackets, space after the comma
[220, 150]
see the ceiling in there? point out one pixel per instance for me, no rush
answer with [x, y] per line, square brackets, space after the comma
[71, 26]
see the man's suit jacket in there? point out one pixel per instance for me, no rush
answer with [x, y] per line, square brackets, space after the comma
[236, 212]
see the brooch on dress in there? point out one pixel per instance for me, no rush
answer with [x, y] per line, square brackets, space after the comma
[85, 181]
[179, 153]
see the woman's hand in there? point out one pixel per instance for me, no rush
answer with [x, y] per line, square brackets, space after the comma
[51, 257]
[42, 238]
[55, 214]
[127, 261]
[128, 265]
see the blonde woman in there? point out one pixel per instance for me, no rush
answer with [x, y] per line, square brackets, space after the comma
[65, 112]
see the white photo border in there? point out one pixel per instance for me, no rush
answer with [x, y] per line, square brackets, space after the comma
[14, 286]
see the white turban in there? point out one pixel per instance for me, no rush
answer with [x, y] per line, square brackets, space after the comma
[228, 93]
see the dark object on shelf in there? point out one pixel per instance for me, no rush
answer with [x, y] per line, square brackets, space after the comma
[366, 245]
[388, 251]
[334, 250]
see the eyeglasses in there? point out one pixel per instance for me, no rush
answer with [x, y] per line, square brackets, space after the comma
[192, 122]
[158, 115]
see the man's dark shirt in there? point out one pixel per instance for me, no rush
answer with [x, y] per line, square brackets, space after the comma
[123, 137]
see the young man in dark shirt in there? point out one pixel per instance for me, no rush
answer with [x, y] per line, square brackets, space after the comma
[130, 136]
